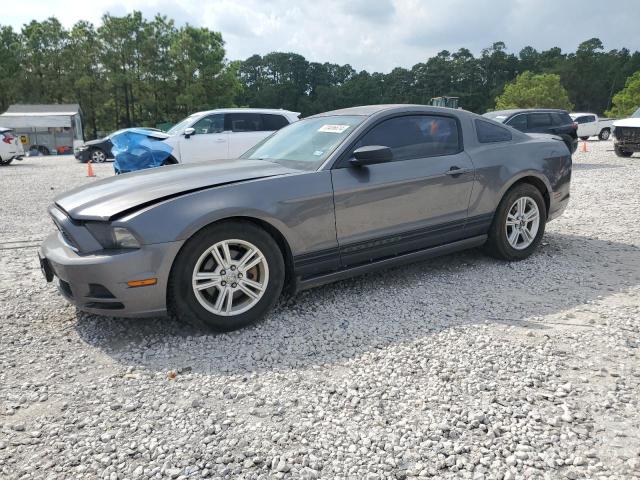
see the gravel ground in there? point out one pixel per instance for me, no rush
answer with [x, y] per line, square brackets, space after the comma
[459, 367]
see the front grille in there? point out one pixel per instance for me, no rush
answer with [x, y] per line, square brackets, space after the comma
[628, 134]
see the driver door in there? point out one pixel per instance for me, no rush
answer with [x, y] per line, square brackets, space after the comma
[209, 142]
[418, 200]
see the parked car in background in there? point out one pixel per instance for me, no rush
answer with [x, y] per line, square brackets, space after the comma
[99, 150]
[10, 147]
[330, 196]
[589, 125]
[626, 135]
[539, 120]
[224, 133]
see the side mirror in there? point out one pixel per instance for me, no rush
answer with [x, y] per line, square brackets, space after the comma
[189, 131]
[371, 155]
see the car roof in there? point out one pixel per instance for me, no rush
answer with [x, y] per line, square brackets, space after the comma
[579, 114]
[513, 111]
[369, 110]
[279, 111]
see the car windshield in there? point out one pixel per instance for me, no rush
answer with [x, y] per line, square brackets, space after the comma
[181, 125]
[305, 144]
[636, 114]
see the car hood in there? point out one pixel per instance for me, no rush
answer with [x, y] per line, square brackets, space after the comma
[106, 199]
[96, 141]
[627, 122]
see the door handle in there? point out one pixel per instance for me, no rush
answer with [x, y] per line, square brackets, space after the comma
[455, 171]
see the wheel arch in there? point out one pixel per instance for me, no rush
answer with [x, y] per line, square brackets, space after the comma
[274, 232]
[534, 180]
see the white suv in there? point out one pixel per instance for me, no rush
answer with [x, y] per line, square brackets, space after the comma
[10, 147]
[224, 133]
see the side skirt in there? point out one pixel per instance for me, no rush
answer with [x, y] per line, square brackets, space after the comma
[391, 262]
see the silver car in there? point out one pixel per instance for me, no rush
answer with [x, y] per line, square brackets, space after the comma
[325, 198]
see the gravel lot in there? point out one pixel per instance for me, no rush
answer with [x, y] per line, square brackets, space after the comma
[460, 367]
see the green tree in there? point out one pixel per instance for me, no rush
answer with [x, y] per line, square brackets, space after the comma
[627, 100]
[10, 70]
[534, 91]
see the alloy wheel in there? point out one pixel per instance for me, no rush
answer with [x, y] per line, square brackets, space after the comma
[523, 222]
[98, 156]
[230, 277]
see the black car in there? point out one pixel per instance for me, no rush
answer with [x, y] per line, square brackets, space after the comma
[99, 150]
[540, 120]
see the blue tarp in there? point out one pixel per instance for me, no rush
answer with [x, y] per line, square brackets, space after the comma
[137, 149]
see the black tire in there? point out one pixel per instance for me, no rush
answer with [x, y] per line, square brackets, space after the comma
[4, 163]
[497, 244]
[622, 153]
[584, 138]
[97, 155]
[181, 299]
[604, 134]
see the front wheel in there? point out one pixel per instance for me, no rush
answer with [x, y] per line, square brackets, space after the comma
[584, 138]
[98, 156]
[518, 224]
[226, 276]
[4, 163]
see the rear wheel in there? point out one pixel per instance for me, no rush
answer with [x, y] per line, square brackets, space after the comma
[604, 134]
[622, 153]
[226, 276]
[6, 162]
[518, 224]
[584, 138]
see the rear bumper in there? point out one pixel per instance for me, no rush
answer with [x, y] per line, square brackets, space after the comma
[97, 283]
[627, 146]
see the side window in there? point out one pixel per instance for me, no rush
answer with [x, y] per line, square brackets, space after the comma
[537, 120]
[273, 122]
[490, 133]
[519, 122]
[210, 124]
[562, 119]
[244, 122]
[590, 118]
[415, 136]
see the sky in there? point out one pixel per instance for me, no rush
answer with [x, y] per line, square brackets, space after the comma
[376, 35]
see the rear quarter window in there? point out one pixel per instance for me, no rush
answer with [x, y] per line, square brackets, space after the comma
[490, 133]
[565, 119]
[537, 120]
[273, 121]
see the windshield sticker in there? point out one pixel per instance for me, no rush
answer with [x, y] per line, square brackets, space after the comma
[333, 128]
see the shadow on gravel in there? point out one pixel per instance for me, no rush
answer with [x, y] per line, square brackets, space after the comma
[346, 319]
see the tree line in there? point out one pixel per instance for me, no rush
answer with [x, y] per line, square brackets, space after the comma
[133, 71]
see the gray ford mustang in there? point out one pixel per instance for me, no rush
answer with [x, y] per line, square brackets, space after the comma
[333, 195]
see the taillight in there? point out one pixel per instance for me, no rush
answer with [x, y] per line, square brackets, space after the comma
[7, 138]
[574, 125]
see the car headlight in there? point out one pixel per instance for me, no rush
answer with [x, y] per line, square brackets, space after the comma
[112, 237]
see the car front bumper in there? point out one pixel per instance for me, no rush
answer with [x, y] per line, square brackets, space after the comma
[82, 155]
[97, 282]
